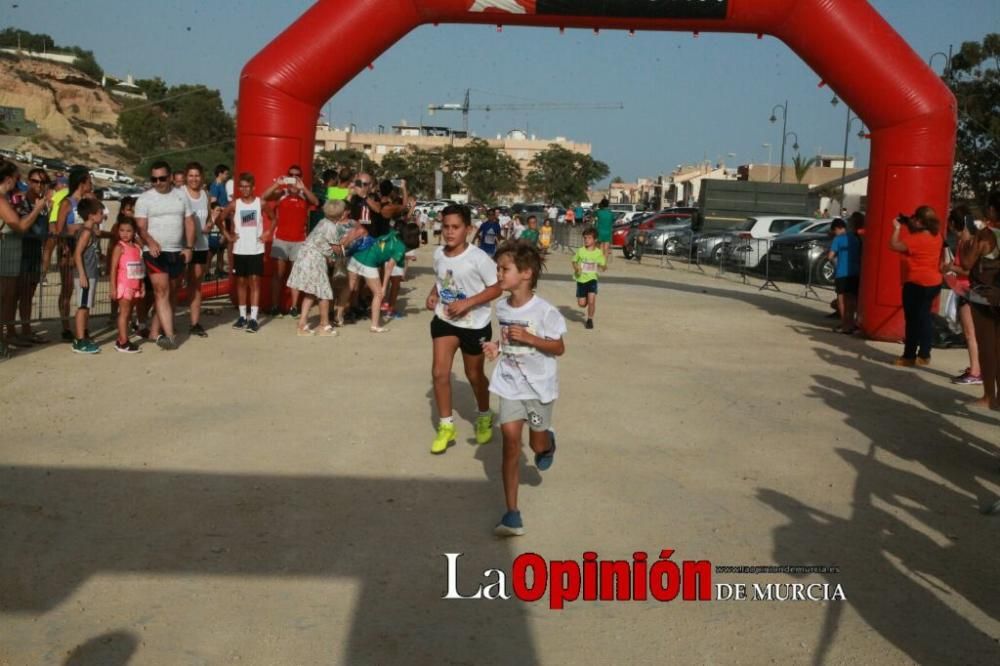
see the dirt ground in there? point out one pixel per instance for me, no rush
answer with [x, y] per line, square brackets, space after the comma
[271, 499]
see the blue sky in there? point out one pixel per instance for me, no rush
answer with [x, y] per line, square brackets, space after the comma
[685, 99]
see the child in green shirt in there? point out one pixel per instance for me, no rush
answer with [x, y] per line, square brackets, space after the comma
[530, 235]
[587, 261]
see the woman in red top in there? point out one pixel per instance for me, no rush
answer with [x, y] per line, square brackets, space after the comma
[921, 249]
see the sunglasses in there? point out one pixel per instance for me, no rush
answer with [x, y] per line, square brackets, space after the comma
[159, 179]
[362, 183]
[36, 181]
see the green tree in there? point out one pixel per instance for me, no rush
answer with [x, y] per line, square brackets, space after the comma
[488, 172]
[142, 129]
[563, 176]
[417, 166]
[183, 123]
[802, 166]
[331, 159]
[974, 78]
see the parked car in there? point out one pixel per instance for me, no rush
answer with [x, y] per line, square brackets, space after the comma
[706, 246]
[622, 227]
[803, 256]
[54, 164]
[658, 234]
[111, 175]
[749, 242]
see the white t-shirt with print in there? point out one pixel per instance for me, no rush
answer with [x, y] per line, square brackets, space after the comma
[522, 372]
[199, 207]
[464, 276]
[165, 214]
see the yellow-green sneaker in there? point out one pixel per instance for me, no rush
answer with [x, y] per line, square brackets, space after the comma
[446, 435]
[484, 429]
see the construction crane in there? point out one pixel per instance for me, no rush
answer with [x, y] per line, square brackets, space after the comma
[465, 107]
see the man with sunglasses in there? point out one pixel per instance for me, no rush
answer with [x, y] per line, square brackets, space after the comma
[366, 206]
[167, 227]
[294, 201]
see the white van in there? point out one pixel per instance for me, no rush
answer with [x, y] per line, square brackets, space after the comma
[113, 175]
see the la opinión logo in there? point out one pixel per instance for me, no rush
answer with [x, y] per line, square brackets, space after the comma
[532, 577]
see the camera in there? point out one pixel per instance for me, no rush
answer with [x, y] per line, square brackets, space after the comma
[289, 180]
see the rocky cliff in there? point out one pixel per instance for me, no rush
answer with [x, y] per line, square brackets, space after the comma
[77, 117]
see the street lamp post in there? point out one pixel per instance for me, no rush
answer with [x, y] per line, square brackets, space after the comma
[768, 146]
[847, 133]
[946, 73]
[784, 134]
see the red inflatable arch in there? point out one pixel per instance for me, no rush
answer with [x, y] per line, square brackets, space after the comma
[909, 111]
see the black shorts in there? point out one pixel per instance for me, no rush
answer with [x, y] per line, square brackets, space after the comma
[585, 288]
[171, 263]
[216, 243]
[470, 340]
[199, 257]
[248, 264]
[846, 285]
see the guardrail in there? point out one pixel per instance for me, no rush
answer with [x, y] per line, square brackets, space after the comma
[751, 261]
[31, 299]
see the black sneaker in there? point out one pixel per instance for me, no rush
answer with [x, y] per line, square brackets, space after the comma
[589, 324]
[127, 348]
[199, 331]
[274, 313]
[252, 326]
[240, 323]
[165, 343]
[293, 312]
[67, 336]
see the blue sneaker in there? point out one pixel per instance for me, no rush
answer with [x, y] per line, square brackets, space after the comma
[240, 323]
[544, 460]
[509, 525]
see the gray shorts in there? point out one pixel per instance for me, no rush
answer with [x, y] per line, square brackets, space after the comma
[84, 298]
[537, 414]
[285, 250]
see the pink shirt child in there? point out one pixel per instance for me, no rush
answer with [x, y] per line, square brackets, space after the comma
[131, 271]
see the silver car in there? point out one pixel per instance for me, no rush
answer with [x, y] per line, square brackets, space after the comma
[658, 235]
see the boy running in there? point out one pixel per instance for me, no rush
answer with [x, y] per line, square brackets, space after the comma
[586, 262]
[531, 337]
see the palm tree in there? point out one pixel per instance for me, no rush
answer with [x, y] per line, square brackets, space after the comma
[802, 166]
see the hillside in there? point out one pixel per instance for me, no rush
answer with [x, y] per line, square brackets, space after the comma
[77, 118]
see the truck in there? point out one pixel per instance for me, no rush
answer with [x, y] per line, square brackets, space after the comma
[724, 204]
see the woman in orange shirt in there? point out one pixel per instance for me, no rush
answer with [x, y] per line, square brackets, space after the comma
[921, 248]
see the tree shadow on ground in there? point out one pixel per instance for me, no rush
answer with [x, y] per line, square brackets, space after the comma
[915, 553]
[62, 526]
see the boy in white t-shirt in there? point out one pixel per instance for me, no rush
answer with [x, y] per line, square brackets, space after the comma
[525, 378]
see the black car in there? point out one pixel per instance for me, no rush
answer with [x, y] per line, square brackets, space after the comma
[803, 257]
[52, 164]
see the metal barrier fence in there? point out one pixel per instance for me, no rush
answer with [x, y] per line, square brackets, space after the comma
[31, 298]
[797, 268]
[567, 237]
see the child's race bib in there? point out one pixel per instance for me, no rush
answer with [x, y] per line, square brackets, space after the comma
[135, 270]
[588, 267]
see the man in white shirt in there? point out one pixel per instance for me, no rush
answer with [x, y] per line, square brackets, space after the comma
[167, 228]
